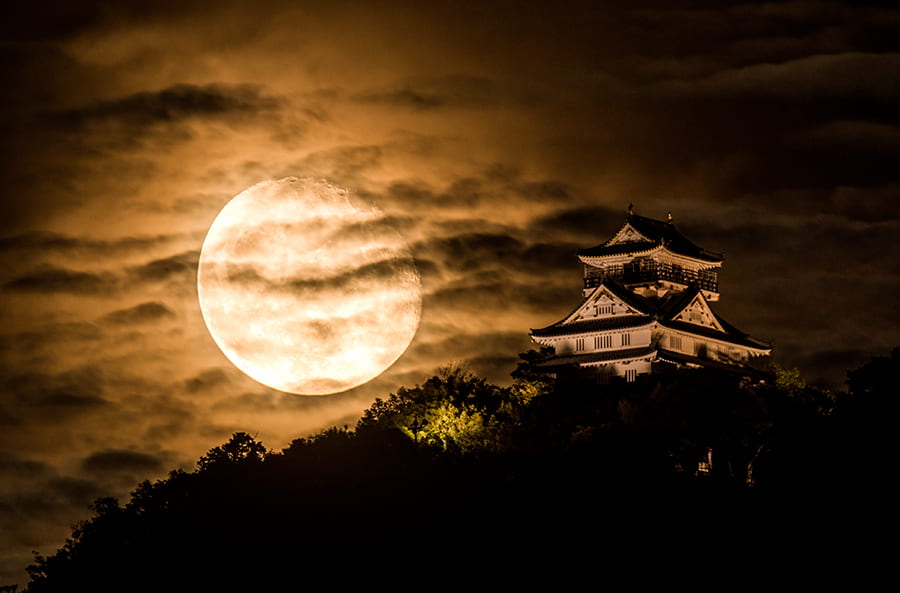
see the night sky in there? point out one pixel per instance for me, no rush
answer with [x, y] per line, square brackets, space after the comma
[498, 139]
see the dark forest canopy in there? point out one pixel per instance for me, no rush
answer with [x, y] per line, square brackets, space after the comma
[458, 468]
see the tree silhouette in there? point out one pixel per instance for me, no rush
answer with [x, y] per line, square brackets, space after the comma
[458, 465]
[241, 447]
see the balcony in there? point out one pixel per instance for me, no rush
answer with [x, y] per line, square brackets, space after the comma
[652, 272]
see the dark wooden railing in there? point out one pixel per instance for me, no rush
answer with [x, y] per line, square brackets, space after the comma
[650, 272]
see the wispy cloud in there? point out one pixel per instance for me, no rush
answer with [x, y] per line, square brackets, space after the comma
[173, 104]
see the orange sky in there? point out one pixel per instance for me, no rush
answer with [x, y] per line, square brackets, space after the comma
[498, 140]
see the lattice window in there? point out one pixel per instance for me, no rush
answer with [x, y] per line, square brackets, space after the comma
[697, 315]
[602, 342]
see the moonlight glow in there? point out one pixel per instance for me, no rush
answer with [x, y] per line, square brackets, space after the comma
[305, 290]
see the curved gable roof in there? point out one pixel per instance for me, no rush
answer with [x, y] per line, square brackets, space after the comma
[657, 233]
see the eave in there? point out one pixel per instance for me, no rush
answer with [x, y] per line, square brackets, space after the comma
[596, 358]
[645, 250]
[592, 326]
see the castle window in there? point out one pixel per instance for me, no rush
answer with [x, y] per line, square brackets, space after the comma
[605, 310]
[675, 342]
[631, 375]
[603, 341]
[626, 339]
[579, 344]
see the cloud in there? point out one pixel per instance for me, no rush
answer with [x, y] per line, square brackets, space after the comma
[843, 74]
[45, 242]
[547, 190]
[378, 273]
[180, 266]
[144, 313]
[67, 334]
[459, 346]
[61, 280]
[207, 380]
[832, 364]
[53, 279]
[491, 354]
[173, 104]
[492, 292]
[69, 491]
[591, 223]
[116, 461]
[498, 192]
[39, 241]
[433, 93]
[471, 251]
[15, 467]
[470, 254]
[57, 395]
[868, 204]
[344, 165]
[394, 269]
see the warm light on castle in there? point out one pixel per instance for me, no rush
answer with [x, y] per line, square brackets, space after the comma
[646, 308]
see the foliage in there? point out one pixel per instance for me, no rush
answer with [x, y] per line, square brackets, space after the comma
[788, 379]
[528, 380]
[880, 377]
[452, 411]
[241, 447]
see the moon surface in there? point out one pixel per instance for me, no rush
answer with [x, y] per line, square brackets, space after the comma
[306, 290]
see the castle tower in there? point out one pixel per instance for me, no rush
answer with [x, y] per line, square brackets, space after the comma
[647, 294]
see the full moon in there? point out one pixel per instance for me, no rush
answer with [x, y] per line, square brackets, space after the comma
[307, 290]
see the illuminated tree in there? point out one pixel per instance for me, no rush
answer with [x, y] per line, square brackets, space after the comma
[528, 381]
[788, 379]
[453, 411]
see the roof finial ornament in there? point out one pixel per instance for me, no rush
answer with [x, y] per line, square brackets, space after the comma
[669, 218]
[630, 208]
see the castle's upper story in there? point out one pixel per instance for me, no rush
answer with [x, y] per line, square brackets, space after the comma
[652, 258]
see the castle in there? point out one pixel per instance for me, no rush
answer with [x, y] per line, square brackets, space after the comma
[646, 309]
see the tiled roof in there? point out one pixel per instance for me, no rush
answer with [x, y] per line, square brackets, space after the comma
[668, 307]
[634, 300]
[593, 325]
[678, 357]
[619, 248]
[642, 304]
[731, 334]
[661, 310]
[659, 233]
[672, 304]
[592, 357]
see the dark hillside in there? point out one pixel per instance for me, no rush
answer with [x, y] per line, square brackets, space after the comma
[458, 470]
